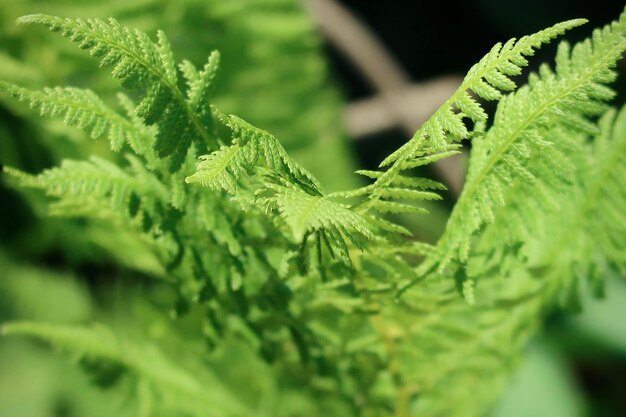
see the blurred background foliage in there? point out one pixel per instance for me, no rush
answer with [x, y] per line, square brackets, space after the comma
[280, 74]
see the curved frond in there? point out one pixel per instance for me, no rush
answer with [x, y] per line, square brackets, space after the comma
[99, 186]
[487, 79]
[249, 144]
[174, 387]
[328, 222]
[587, 238]
[84, 109]
[529, 142]
[141, 64]
[438, 137]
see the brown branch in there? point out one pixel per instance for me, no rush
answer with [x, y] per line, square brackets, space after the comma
[372, 115]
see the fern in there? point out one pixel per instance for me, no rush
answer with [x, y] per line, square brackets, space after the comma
[316, 218]
[519, 134]
[140, 64]
[487, 79]
[592, 221]
[101, 183]
[604, 195]
[249, 143]
[166, 383]
[326, 294]
[84, 109]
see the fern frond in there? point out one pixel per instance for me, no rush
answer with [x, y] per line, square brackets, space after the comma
[402, 181]
[174, 387]
[487, 79]
[522, 146]
[201, 84]
[101, 185]
[438, 136]
[284, 187]
[249, 144]
[139, 64]
[588, 237]
[84, 109]
[605, 197]
[398, 187]
[306, 213]
[221, 169]
[271, 151]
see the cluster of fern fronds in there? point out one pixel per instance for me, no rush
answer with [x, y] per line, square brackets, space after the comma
[323, 301]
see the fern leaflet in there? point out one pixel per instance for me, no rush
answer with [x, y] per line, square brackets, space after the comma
[140, 64]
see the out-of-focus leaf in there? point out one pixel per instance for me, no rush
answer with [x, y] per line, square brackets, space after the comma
[542, 387]
[602, 322]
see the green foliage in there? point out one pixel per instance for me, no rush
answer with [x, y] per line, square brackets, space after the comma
[248, 145]
[84, 109]
[526, 143]
[333, 305]
[488, 79]
[140, 64]
[166, 387]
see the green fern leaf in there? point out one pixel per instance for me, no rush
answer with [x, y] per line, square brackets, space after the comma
[83, 109]
[314, 218]
[176, 388]
[139, 64]
[437, 136]
[305, 213]
[98, 186]
[487, 79]
[520, 134]
[588, 237]
[222, 168]
[201, 84]
[249, 143]
[402, 181]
